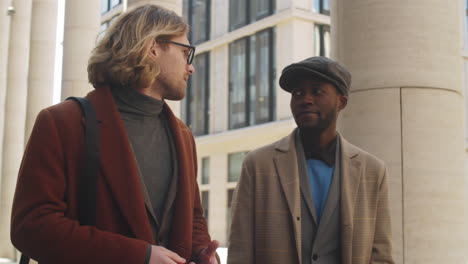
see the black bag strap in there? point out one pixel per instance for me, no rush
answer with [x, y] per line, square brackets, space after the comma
[90, 165]
[24, 259]
[89, 168]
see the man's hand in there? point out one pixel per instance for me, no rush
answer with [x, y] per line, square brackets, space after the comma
[208, 255]
[161, 255]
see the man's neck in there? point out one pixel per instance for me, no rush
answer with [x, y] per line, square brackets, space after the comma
[148, 91]
[318, 140]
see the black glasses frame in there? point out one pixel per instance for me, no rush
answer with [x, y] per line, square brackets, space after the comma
[191, 53]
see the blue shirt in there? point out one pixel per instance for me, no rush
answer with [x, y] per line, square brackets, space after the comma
[320, 178]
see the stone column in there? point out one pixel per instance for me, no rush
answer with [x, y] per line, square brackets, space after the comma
[5, 22]
[406, 106]
[15, 116]
[42, 59]
[82, 21]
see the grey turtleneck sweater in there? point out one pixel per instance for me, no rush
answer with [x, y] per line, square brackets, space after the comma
[150, 139]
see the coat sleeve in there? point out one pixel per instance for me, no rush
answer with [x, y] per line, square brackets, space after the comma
[200, 236]
[382, 247]
[241, 239]
[40, 228]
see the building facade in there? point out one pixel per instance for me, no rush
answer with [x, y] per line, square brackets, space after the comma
[407, 105]
[234, 104]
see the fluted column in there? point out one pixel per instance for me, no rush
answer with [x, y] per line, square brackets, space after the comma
[406, 106]
[15, 116]
[82, 21]
[5, 21]
[42, 59]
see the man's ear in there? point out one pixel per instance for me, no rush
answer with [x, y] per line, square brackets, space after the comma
[153, 51]
[343, 101]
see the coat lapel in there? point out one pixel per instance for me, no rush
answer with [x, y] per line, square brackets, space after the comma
[350, 179]
[286, 168]
[304, 179]
[118, 165]
[186, 187]
[333, 194]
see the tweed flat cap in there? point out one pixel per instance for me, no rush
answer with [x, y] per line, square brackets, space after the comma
[321, 68]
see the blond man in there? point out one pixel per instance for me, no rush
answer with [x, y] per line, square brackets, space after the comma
[148, 206]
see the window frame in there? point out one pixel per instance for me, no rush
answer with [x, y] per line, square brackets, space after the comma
[322, 29]
[249, 17]
[205, 167]
[271, 77]
[240, 153]
[206, 210]
[466, 24]
[321, 4]
[187, 116]
[190, 18]
[109, 5]
[229, 198]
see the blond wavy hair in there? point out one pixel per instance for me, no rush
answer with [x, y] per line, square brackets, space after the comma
[121, 57]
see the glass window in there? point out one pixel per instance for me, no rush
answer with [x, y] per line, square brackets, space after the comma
[325, 7]
[107, 5]
[185, 10]
[322, 6]
[260, 76]
[196, 109]
[251, 80]
[466, 78]
[316, 6]
[466, 24]
[237, 13]
[230, 194]
[103, 27]
[114, 3]
[235, 165]
[243, 12]
[466, 102]
[200, 20]
[205, 196]
[104, 6]
[237, 83]
[102, 30]
[197, 13]
[205, 170]
[260, 9]
[322, 40]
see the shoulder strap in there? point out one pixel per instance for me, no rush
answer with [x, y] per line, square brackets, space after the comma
[90, 165]
[89, 168]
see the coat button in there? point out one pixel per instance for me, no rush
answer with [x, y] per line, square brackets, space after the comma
[314, 257]
[298, 218]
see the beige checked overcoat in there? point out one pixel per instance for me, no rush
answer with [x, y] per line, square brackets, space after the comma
[266, 208]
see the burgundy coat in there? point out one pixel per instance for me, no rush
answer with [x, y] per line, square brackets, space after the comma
[44, 219]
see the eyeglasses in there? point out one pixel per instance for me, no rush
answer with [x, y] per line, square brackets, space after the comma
[191, 52]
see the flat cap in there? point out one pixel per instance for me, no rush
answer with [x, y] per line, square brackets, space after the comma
[316, 68]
